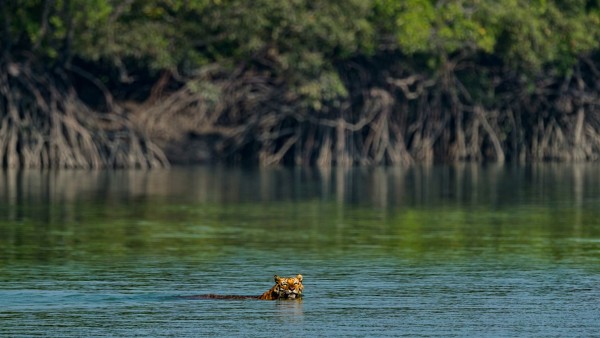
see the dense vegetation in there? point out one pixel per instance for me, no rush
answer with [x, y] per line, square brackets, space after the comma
[93, 83]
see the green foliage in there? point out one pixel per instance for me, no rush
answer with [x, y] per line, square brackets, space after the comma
[410, 21]
[459, 27]
[300, 40]
[533, 35]
[428, 27]
[50, 28]
[525, 34]
[327, 88]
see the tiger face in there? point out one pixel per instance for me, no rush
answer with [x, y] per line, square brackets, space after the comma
[284, 288]
[289, 287]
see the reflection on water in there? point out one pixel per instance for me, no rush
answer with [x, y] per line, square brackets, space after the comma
[464, 184]
[450, 250]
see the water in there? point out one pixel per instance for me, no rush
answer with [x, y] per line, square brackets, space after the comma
[440, 251]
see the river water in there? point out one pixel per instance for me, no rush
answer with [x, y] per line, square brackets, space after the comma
[423, 251]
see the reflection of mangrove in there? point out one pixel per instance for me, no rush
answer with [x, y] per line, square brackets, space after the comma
[418, 212]
[441, 233]
[381, 187]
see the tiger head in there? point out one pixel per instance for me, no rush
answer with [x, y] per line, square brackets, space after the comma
[289, 287]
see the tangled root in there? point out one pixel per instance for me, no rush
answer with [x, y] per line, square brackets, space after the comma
[43, 124]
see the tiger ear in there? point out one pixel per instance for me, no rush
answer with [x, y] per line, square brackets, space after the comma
[299, 277]
[276, 278]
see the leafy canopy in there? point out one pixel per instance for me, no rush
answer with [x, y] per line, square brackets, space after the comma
[301, 39]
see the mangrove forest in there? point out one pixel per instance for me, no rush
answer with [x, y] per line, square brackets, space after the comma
[147, 83]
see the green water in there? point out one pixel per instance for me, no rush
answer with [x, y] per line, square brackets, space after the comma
[447, 251]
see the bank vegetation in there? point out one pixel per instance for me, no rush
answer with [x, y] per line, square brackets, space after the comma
[106, 83]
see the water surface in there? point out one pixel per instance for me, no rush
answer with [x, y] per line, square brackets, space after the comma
[435, 251]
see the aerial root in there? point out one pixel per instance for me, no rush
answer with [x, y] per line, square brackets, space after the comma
[47, 126]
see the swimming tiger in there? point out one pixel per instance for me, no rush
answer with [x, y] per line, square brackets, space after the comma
[284, 288]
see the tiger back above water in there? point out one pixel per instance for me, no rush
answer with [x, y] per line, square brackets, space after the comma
[284, 288]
